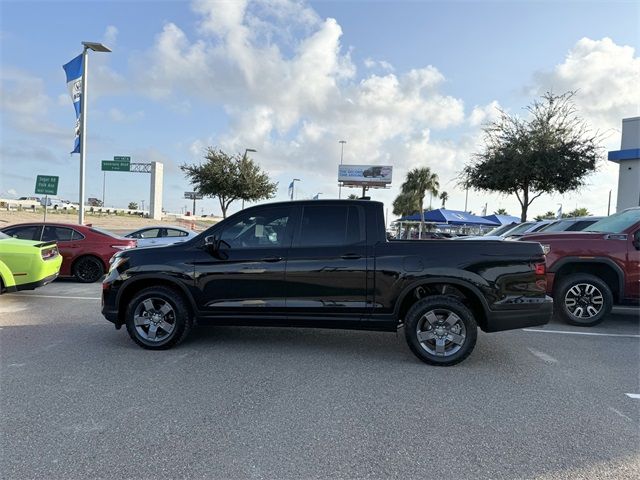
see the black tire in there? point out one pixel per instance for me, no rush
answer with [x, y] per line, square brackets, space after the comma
[465, 330]
[88, 269]
[180, 318]
[585, 288]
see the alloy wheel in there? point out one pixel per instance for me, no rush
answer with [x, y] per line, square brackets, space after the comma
[154, 319]
[441, 332]
[584, 300]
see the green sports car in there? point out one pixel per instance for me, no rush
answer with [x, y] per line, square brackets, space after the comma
[26, 264]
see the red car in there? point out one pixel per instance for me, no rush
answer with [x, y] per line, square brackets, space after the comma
[85, 251]
[590, 271]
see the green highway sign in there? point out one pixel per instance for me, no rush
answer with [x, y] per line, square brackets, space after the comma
[116, 166]
[122, 159]
[47, 184]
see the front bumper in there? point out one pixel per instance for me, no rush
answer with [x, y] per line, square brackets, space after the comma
[525, 315]
[109, 303]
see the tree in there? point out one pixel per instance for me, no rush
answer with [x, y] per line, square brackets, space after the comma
[132, 206]
[405, 205]
[229, 178]
[546, 216]
[444, 196]
[578, 212]
[552, 150]
[353, 196]
[501, 211]
[419, 182]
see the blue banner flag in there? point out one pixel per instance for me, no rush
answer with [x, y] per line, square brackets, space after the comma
[73, 69]
[291, 190]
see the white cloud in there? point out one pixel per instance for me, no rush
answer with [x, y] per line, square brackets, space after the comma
[381, 64]
[118, 116]
[607, 78]
[482, 114]
[110, 36]
[24, 105]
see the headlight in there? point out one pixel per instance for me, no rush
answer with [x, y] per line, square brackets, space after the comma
[546, 249]
[116, 262]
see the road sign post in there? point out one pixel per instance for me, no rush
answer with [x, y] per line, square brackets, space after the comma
[47, 185]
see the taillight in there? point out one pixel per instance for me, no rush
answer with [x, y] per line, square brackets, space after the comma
[48, 253]
[541, 268]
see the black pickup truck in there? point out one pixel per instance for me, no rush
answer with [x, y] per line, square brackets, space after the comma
[327, 263]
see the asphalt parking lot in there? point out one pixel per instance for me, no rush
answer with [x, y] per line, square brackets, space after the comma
[80, 400]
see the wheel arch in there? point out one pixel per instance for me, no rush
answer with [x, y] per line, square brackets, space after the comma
[134, 285]
[604, 268]
[470, 294]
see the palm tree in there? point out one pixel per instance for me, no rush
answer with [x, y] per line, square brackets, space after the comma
[420, 181]
[353, 196]
[405, 205]
[500, 211]
[444, 196]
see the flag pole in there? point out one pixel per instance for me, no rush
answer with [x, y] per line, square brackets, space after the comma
[83, 132]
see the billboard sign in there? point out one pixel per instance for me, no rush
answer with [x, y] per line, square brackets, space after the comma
[376, 175]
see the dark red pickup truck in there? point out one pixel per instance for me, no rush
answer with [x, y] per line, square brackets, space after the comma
[590, 271]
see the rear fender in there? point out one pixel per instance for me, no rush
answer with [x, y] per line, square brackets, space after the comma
[8, 281]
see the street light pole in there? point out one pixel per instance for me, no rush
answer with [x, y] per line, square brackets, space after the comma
[293, 186]
[244, 157]
[341, 142]
[96, 47]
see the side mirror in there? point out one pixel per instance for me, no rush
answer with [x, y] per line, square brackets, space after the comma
[636, 240]
[212, 243]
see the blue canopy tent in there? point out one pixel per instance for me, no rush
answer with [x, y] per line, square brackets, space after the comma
[502, 219]
[451, 217]
[444, 219]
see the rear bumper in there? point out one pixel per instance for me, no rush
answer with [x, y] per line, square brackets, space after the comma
[39, 283]
[528, 315]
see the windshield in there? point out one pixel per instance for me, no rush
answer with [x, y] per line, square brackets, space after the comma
[500, 230]
[520, 229]
[616, 223]
[4, 235]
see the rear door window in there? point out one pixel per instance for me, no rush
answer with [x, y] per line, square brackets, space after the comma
[57, 234]
[172, 232]
[150, 233]
[330, 226]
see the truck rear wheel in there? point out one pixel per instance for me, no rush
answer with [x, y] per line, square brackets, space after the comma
[440, 330]
[582, 299]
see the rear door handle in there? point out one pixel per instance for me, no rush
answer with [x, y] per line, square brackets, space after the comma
[351, 256]
[272, 259]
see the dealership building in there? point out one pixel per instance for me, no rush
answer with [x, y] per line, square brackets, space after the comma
[628, 158]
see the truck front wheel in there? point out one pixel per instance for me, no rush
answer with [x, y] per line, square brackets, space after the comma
[441, 330]
[157, 318]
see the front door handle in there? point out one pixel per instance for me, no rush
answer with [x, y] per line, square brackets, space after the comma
[272, 259]
[351, 256]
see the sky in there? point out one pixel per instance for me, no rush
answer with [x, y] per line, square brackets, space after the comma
[406, 84]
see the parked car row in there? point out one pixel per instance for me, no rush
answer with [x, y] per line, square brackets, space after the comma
[86, 250]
